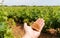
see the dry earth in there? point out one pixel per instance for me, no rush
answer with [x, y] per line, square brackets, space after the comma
[18, 32]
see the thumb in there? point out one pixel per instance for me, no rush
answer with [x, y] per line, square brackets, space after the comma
[26, 27]
[41, 27]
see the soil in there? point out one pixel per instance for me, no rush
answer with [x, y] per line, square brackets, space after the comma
[18, 32]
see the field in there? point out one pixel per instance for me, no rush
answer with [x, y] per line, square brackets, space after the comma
[12, 17]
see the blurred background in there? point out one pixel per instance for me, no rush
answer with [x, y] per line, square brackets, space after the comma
[31, 2]
[14, 13]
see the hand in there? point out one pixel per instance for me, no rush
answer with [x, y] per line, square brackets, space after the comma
[30, 33]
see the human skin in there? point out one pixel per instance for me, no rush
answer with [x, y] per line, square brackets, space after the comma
[30, 33]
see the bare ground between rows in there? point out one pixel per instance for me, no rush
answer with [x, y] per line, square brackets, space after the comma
[18, 30]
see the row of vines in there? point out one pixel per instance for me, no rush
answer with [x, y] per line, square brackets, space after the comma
[28, 14]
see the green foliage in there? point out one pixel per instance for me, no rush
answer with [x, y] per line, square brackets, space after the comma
[51, 15]
[3, 25]
[8, 33]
